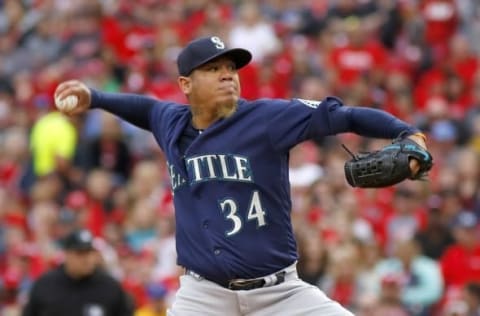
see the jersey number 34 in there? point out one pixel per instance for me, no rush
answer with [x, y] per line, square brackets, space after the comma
[255, 212]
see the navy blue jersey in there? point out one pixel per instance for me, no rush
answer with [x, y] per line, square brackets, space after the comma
[231, 186]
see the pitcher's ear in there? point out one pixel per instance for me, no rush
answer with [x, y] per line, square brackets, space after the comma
[185, 84]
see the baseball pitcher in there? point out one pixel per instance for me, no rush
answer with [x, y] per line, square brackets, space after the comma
[228, 163]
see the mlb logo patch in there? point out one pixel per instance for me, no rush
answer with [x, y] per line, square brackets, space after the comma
[310, 103]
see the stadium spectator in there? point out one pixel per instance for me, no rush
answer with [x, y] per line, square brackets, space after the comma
[157, 305]
[253, 29]
[78, 287]
[108, 151]
[459, 262]
[422, 284]
[407, 218]
[53, 152]
[436, 236]
[390, 301]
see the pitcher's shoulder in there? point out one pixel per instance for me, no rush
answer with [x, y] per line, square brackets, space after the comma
[265, 104]
[171, 108]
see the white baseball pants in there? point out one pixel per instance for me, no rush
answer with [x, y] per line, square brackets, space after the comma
[294, 297]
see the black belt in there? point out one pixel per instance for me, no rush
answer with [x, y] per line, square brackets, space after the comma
[245, 284]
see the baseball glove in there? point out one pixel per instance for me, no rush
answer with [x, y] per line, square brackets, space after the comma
[387, 166]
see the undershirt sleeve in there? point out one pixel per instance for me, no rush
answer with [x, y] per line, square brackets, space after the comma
[135, 109]
[363, 121]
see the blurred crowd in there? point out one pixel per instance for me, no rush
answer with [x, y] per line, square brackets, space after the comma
[412, 249]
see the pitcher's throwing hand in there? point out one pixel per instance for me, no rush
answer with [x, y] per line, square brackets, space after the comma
[72, 97]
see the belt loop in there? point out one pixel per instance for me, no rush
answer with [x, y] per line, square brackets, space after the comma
[280, 277]
[195, 275]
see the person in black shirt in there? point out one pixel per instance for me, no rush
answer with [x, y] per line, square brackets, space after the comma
[78, 287]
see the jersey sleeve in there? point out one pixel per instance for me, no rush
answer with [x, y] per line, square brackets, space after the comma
[297, 120]
[288, 122]
[164, 121]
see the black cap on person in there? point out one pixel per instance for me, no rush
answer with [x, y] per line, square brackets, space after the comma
[81, 239]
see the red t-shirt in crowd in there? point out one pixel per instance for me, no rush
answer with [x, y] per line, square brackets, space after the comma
[351, 62]
[440, 20]
[460, 265]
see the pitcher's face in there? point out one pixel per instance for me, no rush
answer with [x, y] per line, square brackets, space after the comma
[214, 85]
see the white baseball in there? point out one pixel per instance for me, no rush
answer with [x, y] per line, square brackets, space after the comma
[67, 104]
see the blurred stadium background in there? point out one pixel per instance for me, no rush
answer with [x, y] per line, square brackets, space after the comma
[413, 249]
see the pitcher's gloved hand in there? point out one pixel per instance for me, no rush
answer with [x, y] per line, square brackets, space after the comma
[389, 165]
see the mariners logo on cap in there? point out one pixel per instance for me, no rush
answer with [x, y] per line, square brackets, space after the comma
[203, 50]
[219, 44]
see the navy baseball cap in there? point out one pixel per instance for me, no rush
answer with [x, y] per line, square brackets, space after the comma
[200, 51]
[81, 239]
